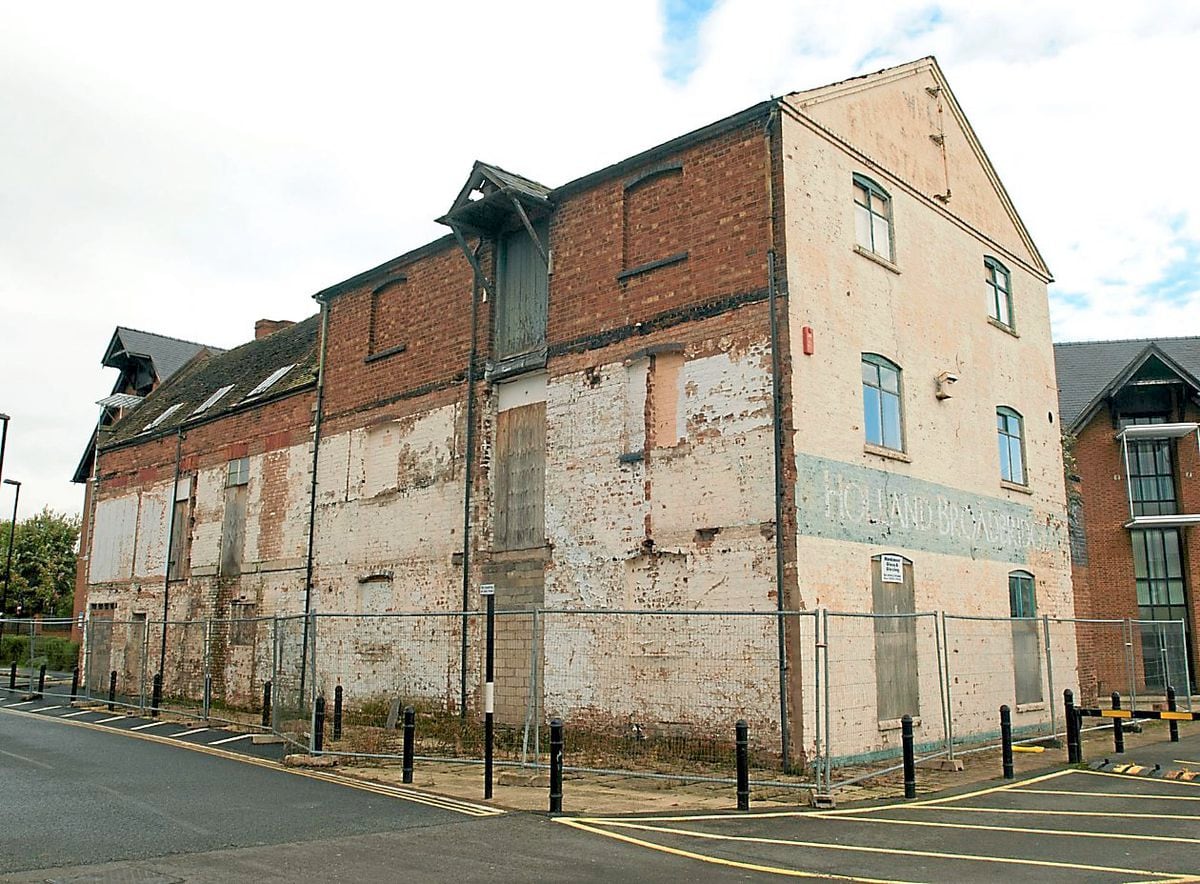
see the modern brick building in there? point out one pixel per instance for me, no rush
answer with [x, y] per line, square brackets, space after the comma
[1131, 408]
[766, 365]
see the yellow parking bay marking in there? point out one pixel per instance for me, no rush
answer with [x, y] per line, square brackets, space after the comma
[45, 709]
[107, 720]
[891, 851]
[1121, 795]
[1185, 761]
[146, 727]
[22, 703]
[720, 861]
[451, 804]
[230, 740]
[74, 714]
[1092, 813]
[198, 730]
[1120, 836]
[850, 811]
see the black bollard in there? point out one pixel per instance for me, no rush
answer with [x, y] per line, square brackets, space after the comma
[337, 712]
[410, 732]
[41, 682]
[266, 710]
[910, 764]
[1118, 730]
[1006, 741]
[156, 695]
[74, 683]
[112, 691]
[556, 765]
[1074, 754]
[741, 729]
[319, 726]
[1172, 724]
[12, 676]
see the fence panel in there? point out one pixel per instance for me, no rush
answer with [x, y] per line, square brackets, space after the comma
[995, 661]
[878, 668]
[384, 662]
[1161, 660]
[660, 691]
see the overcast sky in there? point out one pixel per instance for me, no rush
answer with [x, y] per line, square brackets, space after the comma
[190, 169]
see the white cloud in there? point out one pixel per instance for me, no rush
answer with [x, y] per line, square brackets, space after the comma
[190, 169]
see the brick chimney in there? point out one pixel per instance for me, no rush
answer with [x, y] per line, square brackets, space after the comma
[265, 327]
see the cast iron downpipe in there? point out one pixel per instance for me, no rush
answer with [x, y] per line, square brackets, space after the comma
[468, 471]
[777, 433]
[162, 651]
[312, 492]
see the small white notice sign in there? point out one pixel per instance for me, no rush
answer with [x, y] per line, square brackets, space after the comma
[892, 569]
[487, 589]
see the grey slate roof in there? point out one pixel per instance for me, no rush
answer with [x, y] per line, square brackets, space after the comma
[1086, 368]
[167, 354]
[242, 367]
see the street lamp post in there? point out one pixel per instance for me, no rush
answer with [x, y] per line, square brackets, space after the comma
[8, 563]
[3, 440]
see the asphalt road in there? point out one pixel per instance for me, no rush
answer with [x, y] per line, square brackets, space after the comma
[92, 803]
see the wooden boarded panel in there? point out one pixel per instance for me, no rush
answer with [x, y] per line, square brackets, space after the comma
[1027, 661]
[233, 531]
[520, 477]
[113, 539]
[524, 288]
[896, 675]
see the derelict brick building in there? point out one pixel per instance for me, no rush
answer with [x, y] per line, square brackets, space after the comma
[800, 357]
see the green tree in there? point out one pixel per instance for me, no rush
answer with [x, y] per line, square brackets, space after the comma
[43, 564]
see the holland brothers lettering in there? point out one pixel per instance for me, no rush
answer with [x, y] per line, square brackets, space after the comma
[850, 502]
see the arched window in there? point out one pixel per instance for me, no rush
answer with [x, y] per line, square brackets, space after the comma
[1021, 595]
[872, 217]
[883, 414]
[1010, 435]
[999, 291]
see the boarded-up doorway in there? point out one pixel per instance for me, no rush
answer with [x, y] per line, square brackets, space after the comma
[896, 676]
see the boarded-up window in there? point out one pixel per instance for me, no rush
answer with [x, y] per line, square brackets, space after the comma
[653, 215]
[181, 530]
[520, 477]
[524, 288]
[387, 317]
[115, 527]
[242, 625]
[896, 677]
[233, 527]
[1027, 648]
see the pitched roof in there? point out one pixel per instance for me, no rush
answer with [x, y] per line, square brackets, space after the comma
[1087, 370]
[242, 369]
[168, 355]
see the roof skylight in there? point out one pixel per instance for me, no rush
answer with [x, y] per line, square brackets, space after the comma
[162, 417]
[270, 381]
[211, 400]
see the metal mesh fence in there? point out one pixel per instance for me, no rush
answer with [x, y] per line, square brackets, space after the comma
[660, 691]
[643, 692]
[877, 669]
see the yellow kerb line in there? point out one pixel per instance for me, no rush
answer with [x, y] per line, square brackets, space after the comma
[892, 851]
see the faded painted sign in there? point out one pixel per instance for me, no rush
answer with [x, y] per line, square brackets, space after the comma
[844, 501]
